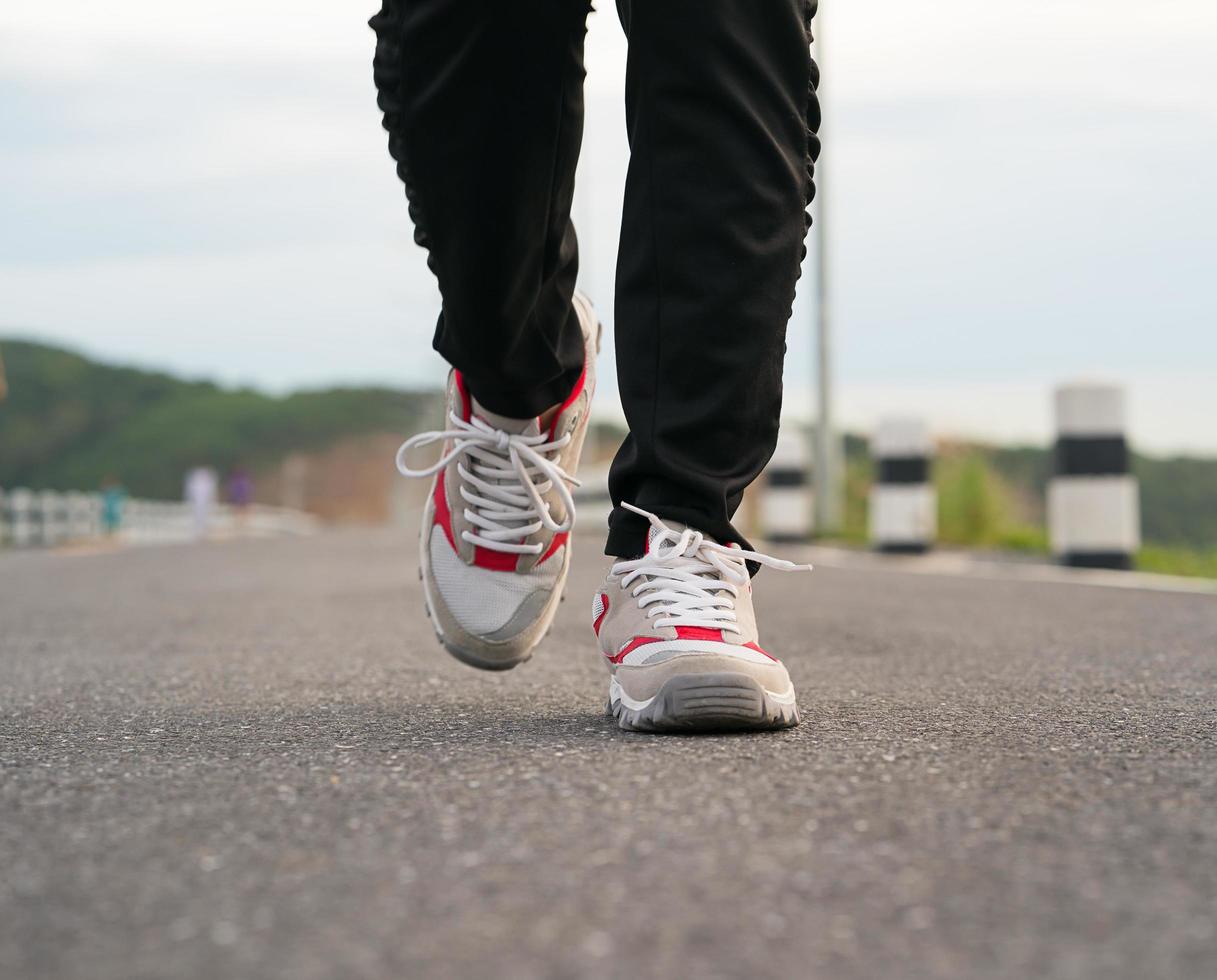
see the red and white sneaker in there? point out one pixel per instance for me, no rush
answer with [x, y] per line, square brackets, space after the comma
[494, 548]
[677, 629]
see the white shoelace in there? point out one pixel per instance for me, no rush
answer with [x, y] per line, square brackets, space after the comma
[503, 476]
[687, 580]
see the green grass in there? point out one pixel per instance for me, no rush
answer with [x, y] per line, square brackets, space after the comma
[1177, 561]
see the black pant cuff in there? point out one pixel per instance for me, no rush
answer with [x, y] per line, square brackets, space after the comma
[521, 403]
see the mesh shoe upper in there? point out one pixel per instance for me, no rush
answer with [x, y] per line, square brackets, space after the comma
[484, 600]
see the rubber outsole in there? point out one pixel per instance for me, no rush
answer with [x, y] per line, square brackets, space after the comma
[712, 702]
[472, 661]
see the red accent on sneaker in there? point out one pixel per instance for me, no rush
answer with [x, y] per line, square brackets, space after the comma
[463, 390]
[753, 646]
[501, 561]
[558, 541]
[603, 613]
[634, 644]
[442, 515]
[698, 633]
[570, 400]
[496, 561]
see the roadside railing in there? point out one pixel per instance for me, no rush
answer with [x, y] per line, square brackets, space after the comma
[50, 518]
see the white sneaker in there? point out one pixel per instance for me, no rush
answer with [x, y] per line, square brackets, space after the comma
[678, 631]
[495, 543]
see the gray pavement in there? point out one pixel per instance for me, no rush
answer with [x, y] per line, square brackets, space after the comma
[251, 759]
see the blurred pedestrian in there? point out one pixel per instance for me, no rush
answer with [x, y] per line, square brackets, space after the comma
[113, 501]
[200, 491]
[483, 103]
[241, 494]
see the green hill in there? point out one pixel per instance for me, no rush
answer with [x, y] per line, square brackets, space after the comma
[68, 422]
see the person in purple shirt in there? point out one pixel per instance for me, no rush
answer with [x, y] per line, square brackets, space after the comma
[240, 492]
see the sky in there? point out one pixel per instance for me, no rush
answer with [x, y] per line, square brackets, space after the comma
[1017, 198]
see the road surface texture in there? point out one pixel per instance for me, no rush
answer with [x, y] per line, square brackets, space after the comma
[251, 759]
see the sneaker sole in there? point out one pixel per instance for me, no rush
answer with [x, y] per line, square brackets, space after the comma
[472, 661]
[711, 702]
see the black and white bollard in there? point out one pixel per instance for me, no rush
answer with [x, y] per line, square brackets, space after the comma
[786, 499]
[903, 502]
[1093, 504]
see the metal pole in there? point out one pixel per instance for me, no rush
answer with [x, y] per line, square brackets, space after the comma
[826, 481]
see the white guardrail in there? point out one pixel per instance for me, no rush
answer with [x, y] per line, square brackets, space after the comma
[49, 518]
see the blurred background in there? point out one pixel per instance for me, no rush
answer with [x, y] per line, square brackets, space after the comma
[209, 290]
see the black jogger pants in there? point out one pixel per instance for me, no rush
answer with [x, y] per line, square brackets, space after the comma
[483, 103]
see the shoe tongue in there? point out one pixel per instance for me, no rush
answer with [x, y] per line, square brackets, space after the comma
[654, 532]
[528, 427]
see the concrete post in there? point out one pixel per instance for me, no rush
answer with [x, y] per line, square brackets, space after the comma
[1093, 502]
[786, 497]
[903, 502]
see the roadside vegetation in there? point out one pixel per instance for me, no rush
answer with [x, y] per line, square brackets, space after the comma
[70, 423]
[992, 498]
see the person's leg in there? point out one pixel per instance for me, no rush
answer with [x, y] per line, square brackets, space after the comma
[483, 103]
[722, 114]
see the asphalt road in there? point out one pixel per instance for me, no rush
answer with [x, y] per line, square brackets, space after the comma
[251, 759]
